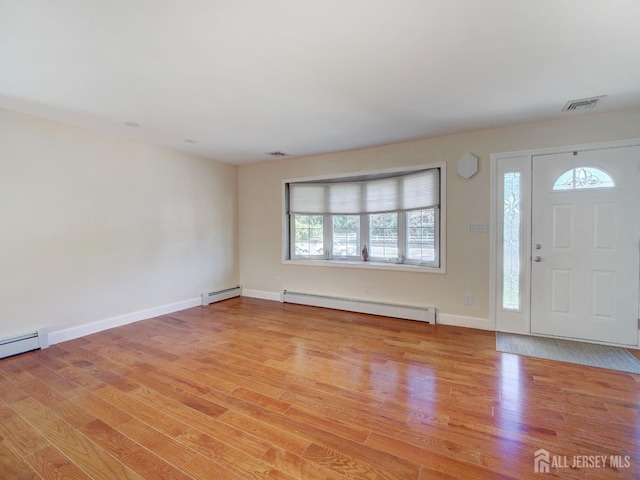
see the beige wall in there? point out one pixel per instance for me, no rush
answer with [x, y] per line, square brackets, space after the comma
[94, 226]
[468, 256]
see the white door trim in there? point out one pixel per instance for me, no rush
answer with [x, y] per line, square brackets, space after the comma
[520, 322]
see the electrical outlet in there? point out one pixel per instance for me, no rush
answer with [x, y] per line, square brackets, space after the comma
[367, 289]
[468, 299]
[277, 280]
[218, 279]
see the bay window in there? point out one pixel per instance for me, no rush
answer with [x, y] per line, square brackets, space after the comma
[395, 214]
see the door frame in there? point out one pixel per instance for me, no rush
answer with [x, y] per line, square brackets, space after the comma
[518, 320]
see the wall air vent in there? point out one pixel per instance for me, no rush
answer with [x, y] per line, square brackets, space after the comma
[278, 154]
[582, 104]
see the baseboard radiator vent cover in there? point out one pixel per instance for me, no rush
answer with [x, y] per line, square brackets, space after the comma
[219, 295]
[421, 314]
[24, 343]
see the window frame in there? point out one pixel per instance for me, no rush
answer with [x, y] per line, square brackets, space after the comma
[436, 234]
[329, 236]
[399, 221]
[288, 233]
[292, 240]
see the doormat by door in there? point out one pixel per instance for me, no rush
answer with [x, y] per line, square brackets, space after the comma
[601, 356]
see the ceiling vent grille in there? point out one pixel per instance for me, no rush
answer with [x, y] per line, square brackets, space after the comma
[277, 154]
[582, 104]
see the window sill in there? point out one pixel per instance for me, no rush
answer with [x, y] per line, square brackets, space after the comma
[399, 267]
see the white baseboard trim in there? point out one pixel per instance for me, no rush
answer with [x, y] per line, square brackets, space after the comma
[462, 321]
[275, 296]
[95, 327]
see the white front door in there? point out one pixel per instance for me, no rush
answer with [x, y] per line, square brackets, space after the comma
[585, 245]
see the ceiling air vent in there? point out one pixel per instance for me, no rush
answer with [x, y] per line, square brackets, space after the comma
[582, 104]
[277, 154]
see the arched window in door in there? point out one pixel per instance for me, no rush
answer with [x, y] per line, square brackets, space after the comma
[583, 178]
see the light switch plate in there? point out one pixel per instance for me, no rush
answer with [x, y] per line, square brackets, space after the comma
[478, 227]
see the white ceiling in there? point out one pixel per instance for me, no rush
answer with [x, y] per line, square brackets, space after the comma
[245, 77]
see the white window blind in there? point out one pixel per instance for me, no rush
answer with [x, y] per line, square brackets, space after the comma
[411, 191]
[344, 198]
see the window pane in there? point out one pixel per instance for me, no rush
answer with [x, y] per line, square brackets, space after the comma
[583, 177]
[421, 231]
[309, 239]
[511, 242]
[346, 236]
[383, 235]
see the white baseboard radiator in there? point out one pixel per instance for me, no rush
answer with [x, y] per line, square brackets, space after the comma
[219, 295]
[24, 343]
[421, 314]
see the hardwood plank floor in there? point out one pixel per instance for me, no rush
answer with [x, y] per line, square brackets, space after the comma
[251, 389]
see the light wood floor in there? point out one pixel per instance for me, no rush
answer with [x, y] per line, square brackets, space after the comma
[249, 389]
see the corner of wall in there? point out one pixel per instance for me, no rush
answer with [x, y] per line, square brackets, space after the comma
[64, 335]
